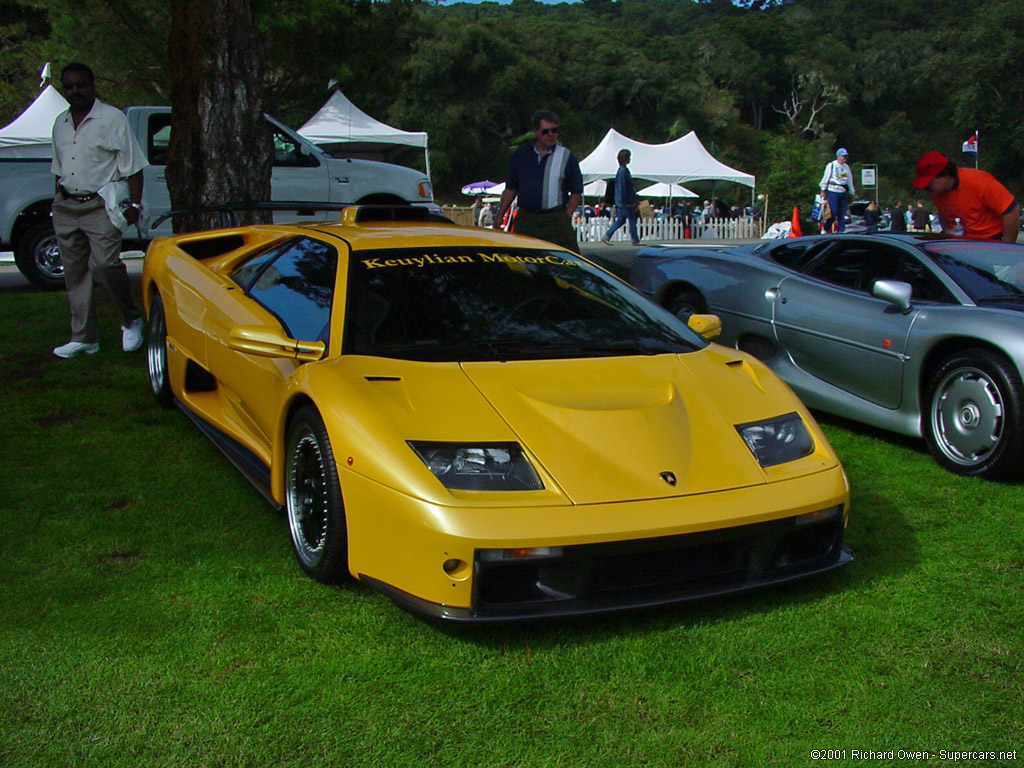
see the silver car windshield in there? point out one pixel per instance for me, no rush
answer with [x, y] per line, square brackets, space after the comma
[989, 272]
[458, 304]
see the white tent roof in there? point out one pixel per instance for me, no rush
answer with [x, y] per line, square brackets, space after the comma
[30, 133]
[341, 121]
[661, 189]
[676, 162]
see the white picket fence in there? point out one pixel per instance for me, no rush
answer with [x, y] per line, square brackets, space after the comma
[668, 229]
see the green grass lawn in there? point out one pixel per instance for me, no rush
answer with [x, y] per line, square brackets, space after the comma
[151, 614]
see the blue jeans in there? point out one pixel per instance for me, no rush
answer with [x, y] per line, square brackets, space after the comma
[837, 202]
[622, 215]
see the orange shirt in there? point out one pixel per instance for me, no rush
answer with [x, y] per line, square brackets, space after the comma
[978, 200]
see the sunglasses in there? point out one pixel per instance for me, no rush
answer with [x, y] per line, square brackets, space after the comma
[546, 131]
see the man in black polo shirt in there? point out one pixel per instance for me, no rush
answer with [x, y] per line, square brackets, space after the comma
[546, 177]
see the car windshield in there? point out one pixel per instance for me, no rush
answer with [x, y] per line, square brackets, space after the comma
[989, 272]
[476, 304]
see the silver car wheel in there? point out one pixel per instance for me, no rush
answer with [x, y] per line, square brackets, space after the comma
[967, 416]
[48, 259]
[156, 354]
[307, 500]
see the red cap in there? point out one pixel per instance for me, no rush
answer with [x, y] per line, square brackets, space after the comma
[928, 167]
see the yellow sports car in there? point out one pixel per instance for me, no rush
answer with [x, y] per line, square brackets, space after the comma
[482, 426]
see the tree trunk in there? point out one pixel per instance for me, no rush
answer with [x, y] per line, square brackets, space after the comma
[220, 149]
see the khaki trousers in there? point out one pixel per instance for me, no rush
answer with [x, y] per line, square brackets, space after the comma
[90, 250]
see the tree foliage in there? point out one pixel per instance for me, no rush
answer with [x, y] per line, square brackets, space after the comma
[763, 82]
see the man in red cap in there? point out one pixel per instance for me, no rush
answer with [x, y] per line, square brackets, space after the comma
[985, 208]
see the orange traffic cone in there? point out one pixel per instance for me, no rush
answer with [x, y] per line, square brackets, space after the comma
[795, 230]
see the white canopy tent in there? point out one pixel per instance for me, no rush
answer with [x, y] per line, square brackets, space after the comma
[676, 162]
[341, 128]
[661, 189]
[29, 134]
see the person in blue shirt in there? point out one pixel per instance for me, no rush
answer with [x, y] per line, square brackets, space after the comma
[625, 200]
[546, 178]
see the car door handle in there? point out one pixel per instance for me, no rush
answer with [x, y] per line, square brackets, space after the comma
[772, 294]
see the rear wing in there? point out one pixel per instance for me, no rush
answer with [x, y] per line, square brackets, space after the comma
[349, 212]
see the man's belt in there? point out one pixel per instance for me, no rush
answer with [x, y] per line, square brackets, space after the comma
[65, 195]
[546, 210]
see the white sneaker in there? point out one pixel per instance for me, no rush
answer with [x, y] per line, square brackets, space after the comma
[73, 348]
[131, 336]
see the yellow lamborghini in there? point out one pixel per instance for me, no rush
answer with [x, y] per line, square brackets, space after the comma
[482, 426]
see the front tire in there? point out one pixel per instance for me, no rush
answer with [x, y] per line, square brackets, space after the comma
[156, 354]
[975, 401]
[686, 302]
[38, 257]
[313, 503]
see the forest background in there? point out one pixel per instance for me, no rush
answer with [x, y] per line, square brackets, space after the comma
[770, 88]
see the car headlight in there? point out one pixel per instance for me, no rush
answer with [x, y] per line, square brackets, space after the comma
[778, 440]
[479, 466]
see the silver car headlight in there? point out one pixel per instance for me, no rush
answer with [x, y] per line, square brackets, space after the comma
[479, 466]
[778, 440]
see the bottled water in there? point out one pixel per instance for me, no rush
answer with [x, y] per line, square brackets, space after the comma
[958, 228]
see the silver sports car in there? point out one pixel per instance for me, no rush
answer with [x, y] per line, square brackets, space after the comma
[921, 335]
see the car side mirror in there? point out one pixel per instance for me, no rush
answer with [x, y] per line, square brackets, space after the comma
[895, 292]
[265, 341]
[708, 326]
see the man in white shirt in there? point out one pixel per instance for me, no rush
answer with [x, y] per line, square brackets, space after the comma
[93, 147]
[835, 183]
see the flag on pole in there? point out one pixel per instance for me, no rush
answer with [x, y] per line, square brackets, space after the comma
[971, 145]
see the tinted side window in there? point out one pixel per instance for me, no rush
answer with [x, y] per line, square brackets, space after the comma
[295, 282]
[840, 267]
[927, 287]
[288, 153]
[158, 138]
[857, 265]
[789, 255]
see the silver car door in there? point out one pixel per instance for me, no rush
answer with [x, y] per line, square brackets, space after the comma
[833, 328]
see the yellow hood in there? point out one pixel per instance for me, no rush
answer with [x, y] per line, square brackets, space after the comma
[608, 428]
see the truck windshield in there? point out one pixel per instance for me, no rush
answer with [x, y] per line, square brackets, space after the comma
[468, 304]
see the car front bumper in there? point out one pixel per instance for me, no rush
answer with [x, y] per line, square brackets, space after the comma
[590, 579]
[558, 561]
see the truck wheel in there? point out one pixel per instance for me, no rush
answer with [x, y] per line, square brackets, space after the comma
[38, 259]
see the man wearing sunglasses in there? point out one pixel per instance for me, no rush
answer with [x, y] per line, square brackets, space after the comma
[547, 180]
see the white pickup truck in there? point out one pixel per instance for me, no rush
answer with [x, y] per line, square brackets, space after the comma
[302, 173]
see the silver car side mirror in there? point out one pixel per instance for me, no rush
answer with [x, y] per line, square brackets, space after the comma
[895, 292]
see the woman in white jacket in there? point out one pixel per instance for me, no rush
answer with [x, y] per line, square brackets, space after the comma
[835, 183]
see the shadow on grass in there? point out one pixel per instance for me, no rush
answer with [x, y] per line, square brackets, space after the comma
[884, 546]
